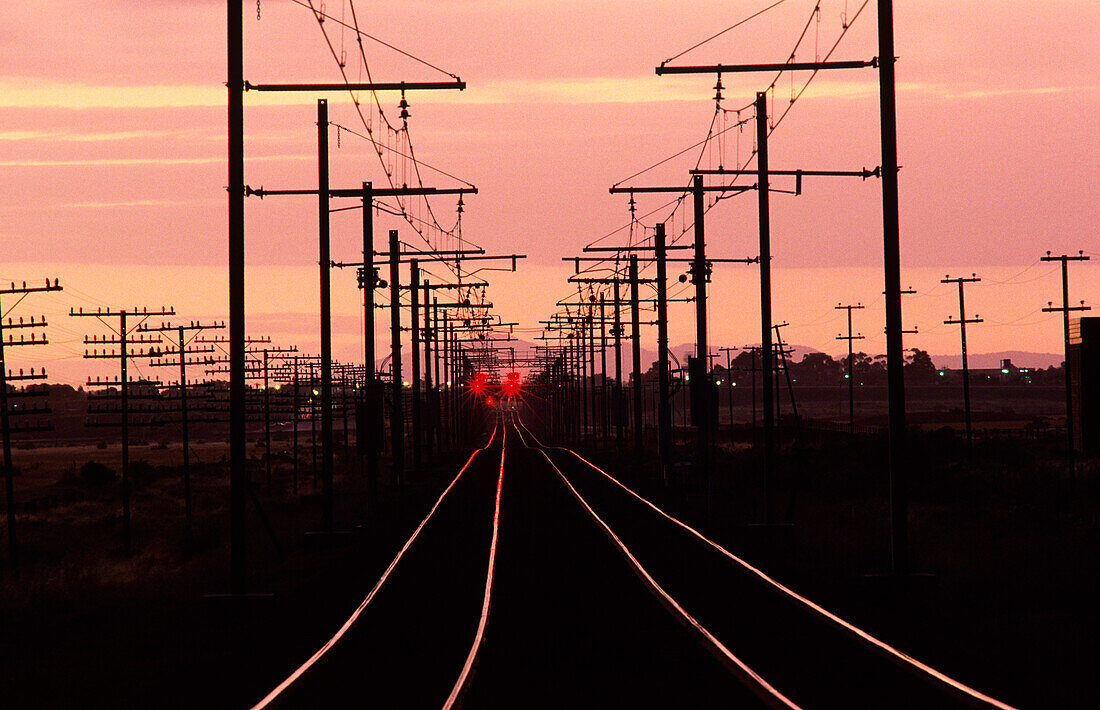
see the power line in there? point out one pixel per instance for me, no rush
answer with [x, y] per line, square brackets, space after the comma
[719, 34]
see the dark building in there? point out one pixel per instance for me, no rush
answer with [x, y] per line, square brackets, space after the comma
[1084, 360]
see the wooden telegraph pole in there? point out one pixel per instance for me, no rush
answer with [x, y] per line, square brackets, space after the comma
[961, 321]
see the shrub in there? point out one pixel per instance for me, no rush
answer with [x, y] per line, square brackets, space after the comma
[95, 473]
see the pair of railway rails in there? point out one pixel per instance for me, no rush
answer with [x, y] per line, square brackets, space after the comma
[537, 579]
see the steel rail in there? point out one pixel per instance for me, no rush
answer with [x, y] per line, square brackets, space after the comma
[274, 694]
[831, 617]
[460, 684]
[752, 680]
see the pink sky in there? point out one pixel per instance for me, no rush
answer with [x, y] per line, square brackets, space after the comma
[112, 143]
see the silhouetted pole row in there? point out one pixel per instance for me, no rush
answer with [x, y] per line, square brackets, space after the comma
[763, 173]
[267, 354]
[182, 350]
[236, 86]
[700, 275]
[891, 253]
[117, 347]
[6, 413]
[396, 256]
[664, 423]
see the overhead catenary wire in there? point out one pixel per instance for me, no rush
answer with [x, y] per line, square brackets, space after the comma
[380, 147]
[716, 35]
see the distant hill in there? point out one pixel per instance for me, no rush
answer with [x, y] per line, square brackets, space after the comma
[1019, 358]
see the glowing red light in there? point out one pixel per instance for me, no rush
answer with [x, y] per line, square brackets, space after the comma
[479, 382]
[511, 387]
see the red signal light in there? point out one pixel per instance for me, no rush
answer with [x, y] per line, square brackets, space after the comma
[479, 382]
[511, 386]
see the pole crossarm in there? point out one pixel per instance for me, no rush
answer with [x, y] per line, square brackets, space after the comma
[370, 86]
[615, 190]
[863, 173]
[223, 339]
[586, 304]
[574, 279]
[262, 192]
[1049, 309]
[430, 286]
[193, 325]
[459, 304]
[34, 289]
[447, 255]
[32, 323]
[962, 319]
[767, 67]
[746, 260]
[670, 247]
[144, 312]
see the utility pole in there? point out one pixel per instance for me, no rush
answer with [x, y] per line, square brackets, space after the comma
[122, 340]
[237, 192]
[895, 353]
[5, 410]
[700, 274]
[582, 362]
[183, 351]
[397, 416]
[620, 415]
[369, 423]
[961, 322]
[238, 472]
[267, 353]
[851, 383]
[766, 362]
[590, 321]
[396, 257]
[327, 462]
[636, 353]
[414, 292]
[664, 413]
[701, 394]
[605, 418]
[427, 338]
[783, 351]
[1065, 309]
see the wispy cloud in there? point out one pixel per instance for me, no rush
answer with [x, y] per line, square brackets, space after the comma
[90, 137]
[160, 204]
[577, 90]
[114, 162]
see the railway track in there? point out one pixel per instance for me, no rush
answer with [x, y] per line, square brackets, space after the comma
[538, 580]
[814, 657]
